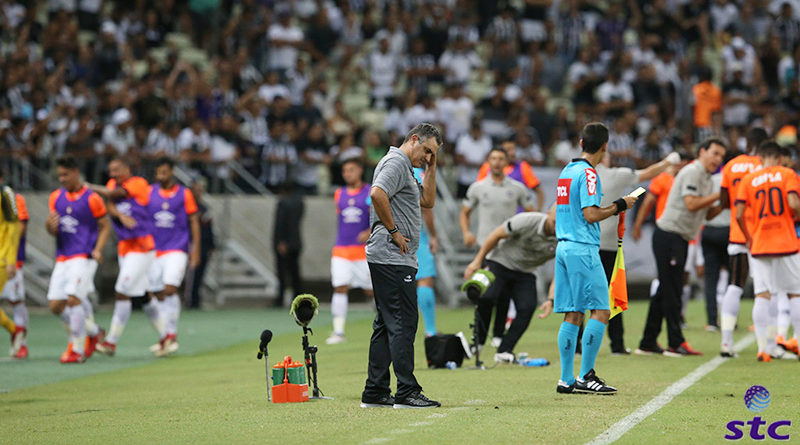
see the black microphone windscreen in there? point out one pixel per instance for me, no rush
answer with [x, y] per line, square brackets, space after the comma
[304, 312]
[473, 293]
[266, 336]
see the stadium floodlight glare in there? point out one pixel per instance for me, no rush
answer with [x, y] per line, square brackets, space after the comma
[304, 308]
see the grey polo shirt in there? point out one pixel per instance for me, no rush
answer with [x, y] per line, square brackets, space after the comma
[616, 183]
[394, 175]
[692, 180]
[527, 246]
[495, 202]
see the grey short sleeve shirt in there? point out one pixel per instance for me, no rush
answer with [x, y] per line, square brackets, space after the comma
[394, 175]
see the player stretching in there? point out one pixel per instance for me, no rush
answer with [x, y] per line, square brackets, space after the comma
[127, 197]
[580, 281]
[78, 221]
[175, 222]
[349, 259]
[772, 194]
[14, 290]
[738, 263]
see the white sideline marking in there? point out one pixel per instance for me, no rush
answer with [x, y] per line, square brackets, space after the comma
[437, 416]
[416, 424]
[423, 423]
[616, 430]
[378, 440]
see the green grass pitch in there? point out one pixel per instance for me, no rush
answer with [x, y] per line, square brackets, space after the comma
[213, 391]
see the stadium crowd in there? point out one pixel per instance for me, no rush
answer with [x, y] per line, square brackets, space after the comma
[288, 89]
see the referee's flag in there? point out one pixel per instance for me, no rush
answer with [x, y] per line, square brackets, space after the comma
[618, 287]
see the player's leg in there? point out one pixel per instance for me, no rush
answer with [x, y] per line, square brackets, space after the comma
[502, 306]
[488, 301]
[64, 295]
[426, 297]
[729, 312]
[94, 333]
[568, 332]
[789, 269]
[784, 317]
[14, 292]
[523, 294]
[131, 282]
[153, 308]
[426, 301]
[714, 244]
[595, 296]
[762, 268]
[342, 275]
[6, 322]
[174, 269]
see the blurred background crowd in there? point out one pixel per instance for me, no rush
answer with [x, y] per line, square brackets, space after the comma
[268, 92]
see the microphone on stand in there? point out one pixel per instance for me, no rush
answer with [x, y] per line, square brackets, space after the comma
[266, 336]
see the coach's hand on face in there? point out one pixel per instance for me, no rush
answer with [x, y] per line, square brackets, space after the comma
[401, 241]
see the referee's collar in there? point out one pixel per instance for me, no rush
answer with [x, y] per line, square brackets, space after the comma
[581, 159]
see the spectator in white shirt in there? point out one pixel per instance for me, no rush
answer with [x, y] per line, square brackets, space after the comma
[614, 95]
[455, 112]
[118, 136]
[194, 143]
[382, 66]
[471, 151]
[272, 88]
[459, 61]
[284, 38]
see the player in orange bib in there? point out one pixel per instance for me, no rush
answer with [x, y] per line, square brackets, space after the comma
[773, 194]
[732, 174]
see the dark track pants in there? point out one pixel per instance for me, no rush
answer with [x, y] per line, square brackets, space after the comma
[394, 330]
[508, 285]
[670, 251]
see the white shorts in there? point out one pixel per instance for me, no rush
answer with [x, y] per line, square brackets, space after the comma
[69, 278]
[354, 274]
[776, 274]
[737, 249]
[14, 290]
[694, 257]
[167, 270]
[91, 270]
[132, 279]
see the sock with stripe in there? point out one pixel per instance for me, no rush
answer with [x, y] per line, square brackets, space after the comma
[339, 311]
[771, 325]
[122, 312]
[760, 322]
[729, 314]
[151, 309]
[91, 327]
[784, 315]
[794, 304]
[77, 328]
[173, 304]
[592, 337]
[567, 336]
[426, 300]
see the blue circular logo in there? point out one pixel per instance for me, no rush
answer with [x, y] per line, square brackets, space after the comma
[756, 399]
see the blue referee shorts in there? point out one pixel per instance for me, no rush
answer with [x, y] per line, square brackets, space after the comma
[580, 278]
[426, 265]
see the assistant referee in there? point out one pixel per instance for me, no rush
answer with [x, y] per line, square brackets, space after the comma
[396, 221]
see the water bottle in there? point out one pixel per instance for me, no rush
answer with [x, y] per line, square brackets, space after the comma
[451, 365]
[537, 362]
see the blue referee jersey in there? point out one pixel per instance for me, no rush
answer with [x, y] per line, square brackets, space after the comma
[578, 187]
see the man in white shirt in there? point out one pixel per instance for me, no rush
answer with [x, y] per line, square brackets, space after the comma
[471, 151]
[284, 38]
[459, 61]
[455, 112]
[382, 66]
[118, 136]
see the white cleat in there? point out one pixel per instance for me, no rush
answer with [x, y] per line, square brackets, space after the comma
[335, 339]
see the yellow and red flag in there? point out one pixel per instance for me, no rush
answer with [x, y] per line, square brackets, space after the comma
[618, 287]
